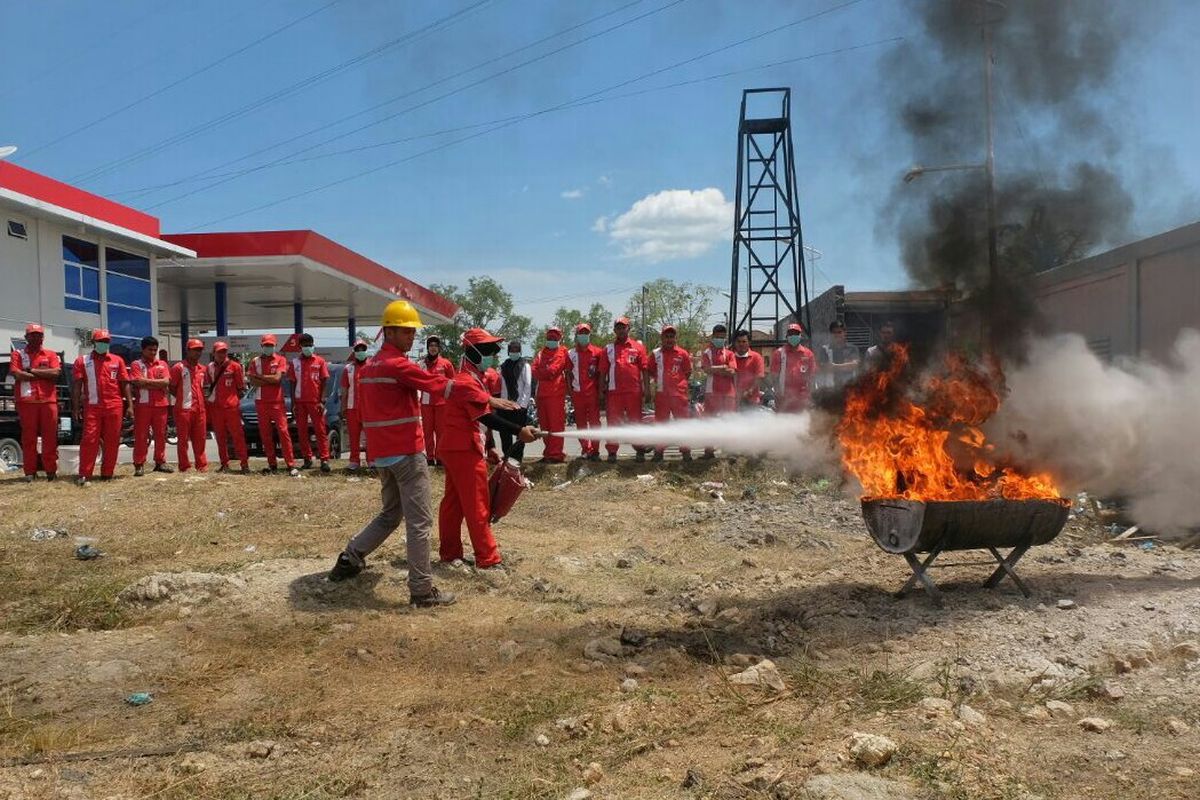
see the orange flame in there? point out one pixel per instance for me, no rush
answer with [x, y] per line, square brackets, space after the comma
[931, 447]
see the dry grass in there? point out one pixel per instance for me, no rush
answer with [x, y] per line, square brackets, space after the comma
[364, 697]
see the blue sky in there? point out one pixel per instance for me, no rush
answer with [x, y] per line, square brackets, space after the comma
[546, 205]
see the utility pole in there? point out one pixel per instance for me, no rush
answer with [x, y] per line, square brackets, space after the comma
[990, 162]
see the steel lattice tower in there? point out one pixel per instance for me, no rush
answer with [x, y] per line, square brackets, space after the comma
[768, 246]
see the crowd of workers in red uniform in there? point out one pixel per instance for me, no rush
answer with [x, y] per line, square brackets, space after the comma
[412, 413]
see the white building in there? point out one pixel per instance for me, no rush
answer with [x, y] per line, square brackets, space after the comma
[74, 261]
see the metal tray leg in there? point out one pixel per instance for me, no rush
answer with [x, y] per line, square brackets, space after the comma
[1007, 567]
[919, 574]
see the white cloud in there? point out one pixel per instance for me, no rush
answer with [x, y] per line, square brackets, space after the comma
[604, 180]
[671, 224]
[572, 194]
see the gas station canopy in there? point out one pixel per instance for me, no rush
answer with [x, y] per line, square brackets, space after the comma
[259, 280]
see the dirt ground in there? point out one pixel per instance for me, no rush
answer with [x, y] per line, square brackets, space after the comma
[623, 657]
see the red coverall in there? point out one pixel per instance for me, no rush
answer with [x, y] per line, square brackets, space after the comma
[352, 407]
[551, 368]
[150, 411]
[750, 368]
[225, 397]
[272, 415]
[37, 409]
[308, 375]
[432, 403]
[626, 361]
[102, 380]
[588, 363]
[461, 451]
[187, 386]
[793, 368]
[671, 368]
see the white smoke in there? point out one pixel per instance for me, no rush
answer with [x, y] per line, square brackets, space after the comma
[799, 439]
[1128, 430]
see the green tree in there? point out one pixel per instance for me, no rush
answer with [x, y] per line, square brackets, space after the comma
[663, 301]
[599, 317]
[484, 303]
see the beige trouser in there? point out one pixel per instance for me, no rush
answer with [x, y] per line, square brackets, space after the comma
[405, 494]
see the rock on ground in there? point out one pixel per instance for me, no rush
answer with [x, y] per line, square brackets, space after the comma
[871, 750]
[763, 674]
[856, 786]
[181, 587]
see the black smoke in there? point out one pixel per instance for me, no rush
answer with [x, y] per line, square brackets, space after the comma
[1058, 138]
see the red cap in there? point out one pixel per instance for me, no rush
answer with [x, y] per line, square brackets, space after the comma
[219, 346]
[554, 333]
[583, 327]
[795, 327]
[666, 328]
[479, 336]
[621, 321]
[267, 338]
[33, 327]
[101, 335]
[194, 344]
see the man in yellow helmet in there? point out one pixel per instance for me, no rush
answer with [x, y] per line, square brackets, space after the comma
[391, 416]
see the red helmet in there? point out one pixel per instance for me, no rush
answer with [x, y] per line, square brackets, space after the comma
[477, 336]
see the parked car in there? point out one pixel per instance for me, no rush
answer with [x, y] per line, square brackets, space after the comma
[333, 408]
[10, 424]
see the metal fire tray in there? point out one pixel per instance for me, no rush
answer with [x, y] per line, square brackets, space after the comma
[908, 527]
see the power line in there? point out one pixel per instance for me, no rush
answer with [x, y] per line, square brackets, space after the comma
[517, 120]
[300, 159]
[178, 81]
[282, 93]
[436, 99]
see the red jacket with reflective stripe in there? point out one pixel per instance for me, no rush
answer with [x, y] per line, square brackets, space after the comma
[156, 370]
[268, 366]
[391, 413]
[187, 385]
[671, 368]
[226, 392]
[466, 401]
[587, 364]
[38, 390]
[439, 366]
[101, 378]
[551, 368]
[626, 361]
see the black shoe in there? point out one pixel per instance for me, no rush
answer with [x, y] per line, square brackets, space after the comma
[164, 468]
[244, 471]
[344, 568]
[657, 457]
[138, 471]
[640, 457]
[82, 481]
[222, 469]
[271, 470]
[51, 476]
[433, 599]
[686, 456]
[307, 464]
[612, 458]
[29, 478]
[593, 457]
[324, 466]
[708, 456]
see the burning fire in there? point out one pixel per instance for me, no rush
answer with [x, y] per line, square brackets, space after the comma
[930, 447]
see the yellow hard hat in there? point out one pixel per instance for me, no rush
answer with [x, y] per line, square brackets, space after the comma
[401, 314]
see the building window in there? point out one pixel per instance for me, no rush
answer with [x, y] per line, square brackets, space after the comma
[81, 275]
[127, 285]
